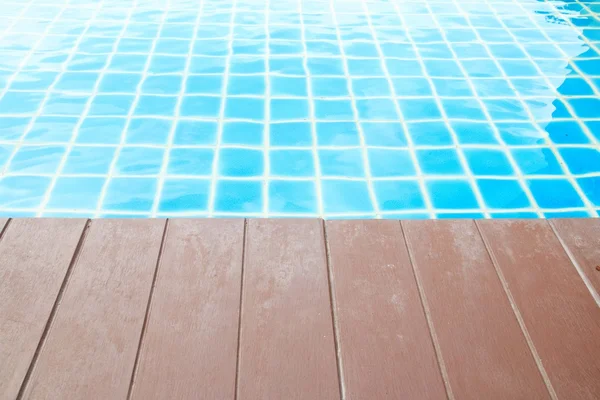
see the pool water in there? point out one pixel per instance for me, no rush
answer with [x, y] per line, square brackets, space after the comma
[339, 109]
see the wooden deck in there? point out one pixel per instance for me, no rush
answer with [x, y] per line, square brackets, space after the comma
[299, 309]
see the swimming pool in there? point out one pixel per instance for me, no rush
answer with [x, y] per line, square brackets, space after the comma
[339, 109]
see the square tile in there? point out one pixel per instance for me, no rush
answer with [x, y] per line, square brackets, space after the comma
[334, 110]
[112, 105]
[290, 134]
[377, 109]
[23, 191]
[191, 162]
[239, 196]
[254, 85]
[501, 193]
[365, 67]
[148, 131]
[342, 163]
[565, 132]
[329, 87]
[139, 161]
[89, 160]
[429, 133]
[544, 192]
[12, 128]
[200, 106]
[337, 134]
[342, 196]
[162, 84]
[130, 194]
[51, 129]
[288, 109]
[581, 160]
[288, 86]
[97, 130]
[451, 194]
[244, 108]
[184, 195]
[36, 159]
[22, 102]
[156, 105]
[371, 87]
[293, 197]
[292, 163]
[398, 195]
[190, 132]
[591, 188]
[439, 162]
[419, 109]
[474, 133]
[76, 193]
[33, 80]
[119, 82]
[325, 66]
[386, 163]
[537, 161]
[240, 163]
[204, 84]
[77, 81]
[488, 162]
[58, 103]
[167, 64]
[242, 133]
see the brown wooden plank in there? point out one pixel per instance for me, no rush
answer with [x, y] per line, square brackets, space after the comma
[384, 341]
[560, 315]
[581, 238]
[190, 346]
[287, 348]
[92, 344]
[482, 346]
[33, 265]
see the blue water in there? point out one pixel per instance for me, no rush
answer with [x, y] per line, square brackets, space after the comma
[340, 109]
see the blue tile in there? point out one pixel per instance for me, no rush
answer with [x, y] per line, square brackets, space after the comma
[443, 68]
[333, 110]
[184, 195]
[23, 191]
[86, 62]
[412, 87]
[500, 193]
[576, 87]
[287, 109]
[346, 163]
[376, 109]
[36, 159]
[172, 46]
[194, 133]
[481, 68]
[581, 160]
[191, 162]
[594, 127]
[200, 106]
[493, 87]
[297, 197]
[586, 107]
[474, 133]
[387, 163]
[452, 87]
[398, 195]
[167, 64]
[439, 162]
[429, 133]
[109, 105]
[286, 65]
[290, 134]
[459, 215]
[341, 196]
[398, 50]
[360, 49]
[371, 87]
[21, 102]
[5, 152]
[130, 194]
[207, 65]
[404, 67]
[134, 45]
[96, 130]
[246, 65]
[162, 84]
[591, 188]
[514, 215]
[537, 161]
[288, 86]
[240, 163]
[365, 67]
[337, 134]
[242, 133]
[451, 194]
[544, 192]
[419, 109]
[383, 134]
[238, 196]
[51, 129]
[329, 87]
[488, 162]
[463, 109]
[246, 85]
[519, 133]
[139, 161]
[247, 47]
[12, 128]
[89, 160]
[285, 47]
[244, 108]
[76, 193]
[33, 80]
[325, 66]
[156, 105]
[211, 47]
[518, 68]
[148, 131]
[77, 81]
[59, 103]
[566, 132]
[506, 109]
[115, 82]
[294, 163]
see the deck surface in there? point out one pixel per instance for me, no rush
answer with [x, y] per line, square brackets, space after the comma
[299, 309]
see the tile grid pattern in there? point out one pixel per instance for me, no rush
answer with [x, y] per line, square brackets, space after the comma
[355, 108]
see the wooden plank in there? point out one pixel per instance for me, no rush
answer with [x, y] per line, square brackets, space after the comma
[287, 348]
[189, 350]
[3, 222]
[384, 341]
[482, 346]
[92, 344]
[560, 315]
[33, 265]
[581, 238]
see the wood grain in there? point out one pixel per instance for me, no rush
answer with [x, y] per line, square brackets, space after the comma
[33, 265]
[287, 348]
[92, 344]
[581, 238]
[558, 311]
[483, 348]
[384, 341]
[190, 346]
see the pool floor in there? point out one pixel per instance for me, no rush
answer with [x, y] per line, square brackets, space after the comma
[339, 109]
